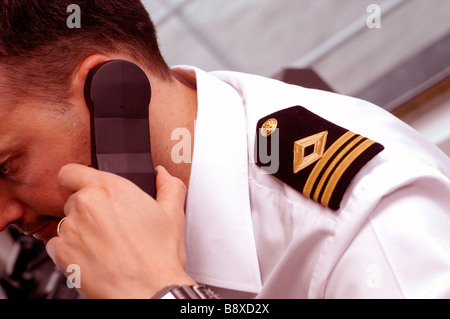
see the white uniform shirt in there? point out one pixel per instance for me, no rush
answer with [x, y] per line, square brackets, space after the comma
[248, 234]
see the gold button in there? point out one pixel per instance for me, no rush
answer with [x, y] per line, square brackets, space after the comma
[269, 127]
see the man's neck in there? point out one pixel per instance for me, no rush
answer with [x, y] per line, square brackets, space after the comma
[173, 106]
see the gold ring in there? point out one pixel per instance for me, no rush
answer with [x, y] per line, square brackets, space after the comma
[58, 229]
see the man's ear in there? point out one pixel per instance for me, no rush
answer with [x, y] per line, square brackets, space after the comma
[81, 74]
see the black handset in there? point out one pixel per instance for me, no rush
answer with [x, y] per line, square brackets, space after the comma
[118, 94]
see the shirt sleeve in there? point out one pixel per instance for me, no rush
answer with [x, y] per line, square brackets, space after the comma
[403, 248]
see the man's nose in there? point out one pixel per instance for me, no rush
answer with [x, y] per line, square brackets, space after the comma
[10, 211]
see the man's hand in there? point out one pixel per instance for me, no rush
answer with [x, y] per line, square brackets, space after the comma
[126, 244]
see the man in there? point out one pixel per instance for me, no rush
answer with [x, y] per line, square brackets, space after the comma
[291, 193]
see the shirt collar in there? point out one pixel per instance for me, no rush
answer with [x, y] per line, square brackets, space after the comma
[220, 243]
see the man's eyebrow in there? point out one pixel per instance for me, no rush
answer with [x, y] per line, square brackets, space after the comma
[8, 143]
[2, 153]
[5, 148]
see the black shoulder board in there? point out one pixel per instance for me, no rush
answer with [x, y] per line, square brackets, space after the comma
[311, 154]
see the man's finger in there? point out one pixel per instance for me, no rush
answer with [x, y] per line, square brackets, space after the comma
[170, 191]
[51, 248]
[75, 176]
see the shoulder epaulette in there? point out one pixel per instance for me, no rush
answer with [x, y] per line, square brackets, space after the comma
[312, 155]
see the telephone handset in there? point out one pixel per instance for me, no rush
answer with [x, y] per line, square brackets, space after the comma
[118, 94]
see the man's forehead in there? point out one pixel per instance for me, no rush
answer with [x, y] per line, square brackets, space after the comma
[9, 90]
[12, 119]
[7, 101]
[12, 130]
[7, 104]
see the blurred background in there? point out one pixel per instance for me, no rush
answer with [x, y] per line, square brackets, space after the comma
[400, 61]
[394, 53]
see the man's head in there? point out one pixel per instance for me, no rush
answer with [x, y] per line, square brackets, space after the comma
[39, 52]
[42, 125]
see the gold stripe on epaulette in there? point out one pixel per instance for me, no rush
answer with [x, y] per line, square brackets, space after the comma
[333, 164]
[340, 170]
[323, 162]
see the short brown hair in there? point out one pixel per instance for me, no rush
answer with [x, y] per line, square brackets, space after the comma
[39, 52]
